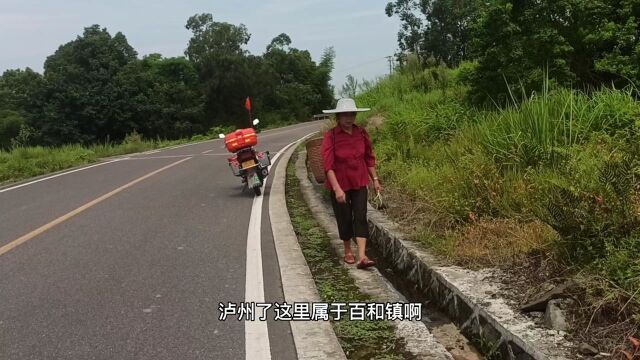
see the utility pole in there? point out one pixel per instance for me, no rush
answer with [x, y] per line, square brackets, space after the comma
[390, 58]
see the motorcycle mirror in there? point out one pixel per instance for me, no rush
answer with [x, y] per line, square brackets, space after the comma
[221, 136]
[256, 122]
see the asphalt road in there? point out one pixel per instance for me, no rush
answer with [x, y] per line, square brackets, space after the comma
[129, 259]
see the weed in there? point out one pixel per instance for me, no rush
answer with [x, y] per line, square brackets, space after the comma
[557, 172]
[488, 348]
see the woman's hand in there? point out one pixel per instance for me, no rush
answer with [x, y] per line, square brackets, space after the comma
[341, 197]
[377, 186]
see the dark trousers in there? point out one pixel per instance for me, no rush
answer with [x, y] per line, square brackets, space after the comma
[352, 216]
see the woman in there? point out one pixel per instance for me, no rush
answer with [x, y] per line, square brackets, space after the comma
[349, 161]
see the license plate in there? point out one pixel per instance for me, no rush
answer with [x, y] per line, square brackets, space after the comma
[248, 164]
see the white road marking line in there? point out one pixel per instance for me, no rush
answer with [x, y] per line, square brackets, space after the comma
[206, 152]
[297, 128]
[256, 333]
[174, 156]
[161, 157]
[190, 144]
[58, 175]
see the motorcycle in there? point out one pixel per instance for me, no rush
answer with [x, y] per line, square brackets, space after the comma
[247, 163]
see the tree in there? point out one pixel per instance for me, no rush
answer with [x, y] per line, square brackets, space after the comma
[216, 49]
[212, 39]
[20, 90]
[438, 28]
[299, 87]
[413, 23]
[322, 81]
[165, 95]
[83, 103]
[448, 33]
[350, 87]
[94, 88]
[279, 42]
[576, 43]
[613, 41]
[10, 124]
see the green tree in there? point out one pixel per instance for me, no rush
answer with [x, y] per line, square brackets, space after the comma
[579, 43]
[21, 90]
[322, 80]
[412, 22]
[217, 50]
[83, 102]
[165, 96]
[613, 42]
[298, 87]
[10, 124]
[350, 87]
[436, 28]
[279, 42]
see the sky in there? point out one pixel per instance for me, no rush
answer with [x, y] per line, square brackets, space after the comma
[359, 30]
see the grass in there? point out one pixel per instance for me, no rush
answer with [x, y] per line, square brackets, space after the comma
[24, 162]
[558, 174]
[359, 339]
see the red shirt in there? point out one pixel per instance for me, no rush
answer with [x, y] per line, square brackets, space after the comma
[350, 157]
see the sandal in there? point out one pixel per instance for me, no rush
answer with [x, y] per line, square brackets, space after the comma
[365, 263]
[349, 259]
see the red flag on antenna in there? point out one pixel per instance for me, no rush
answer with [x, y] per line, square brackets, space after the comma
[247, 104]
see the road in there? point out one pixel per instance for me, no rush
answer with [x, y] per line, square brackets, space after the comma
[130, 258]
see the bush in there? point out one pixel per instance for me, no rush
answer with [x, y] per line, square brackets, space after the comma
[562, 158]
[464, 73]
[594, 200]
[10, 124]
[216, 130]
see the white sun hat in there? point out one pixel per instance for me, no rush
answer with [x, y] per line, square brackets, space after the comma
[345, 105]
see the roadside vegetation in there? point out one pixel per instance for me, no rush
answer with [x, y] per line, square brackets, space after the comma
[554, 177]
[509, 136]
[359, 339]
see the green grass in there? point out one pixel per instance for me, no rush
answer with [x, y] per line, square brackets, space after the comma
[359, 339]
[24, 162]
[562, 164]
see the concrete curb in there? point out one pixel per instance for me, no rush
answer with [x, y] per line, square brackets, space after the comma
[419, 342]
[455, 291]
[313, 340]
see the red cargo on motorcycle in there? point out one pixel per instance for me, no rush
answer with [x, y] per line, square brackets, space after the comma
[251, 165]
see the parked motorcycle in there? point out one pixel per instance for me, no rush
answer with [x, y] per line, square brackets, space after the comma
[251, 165]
